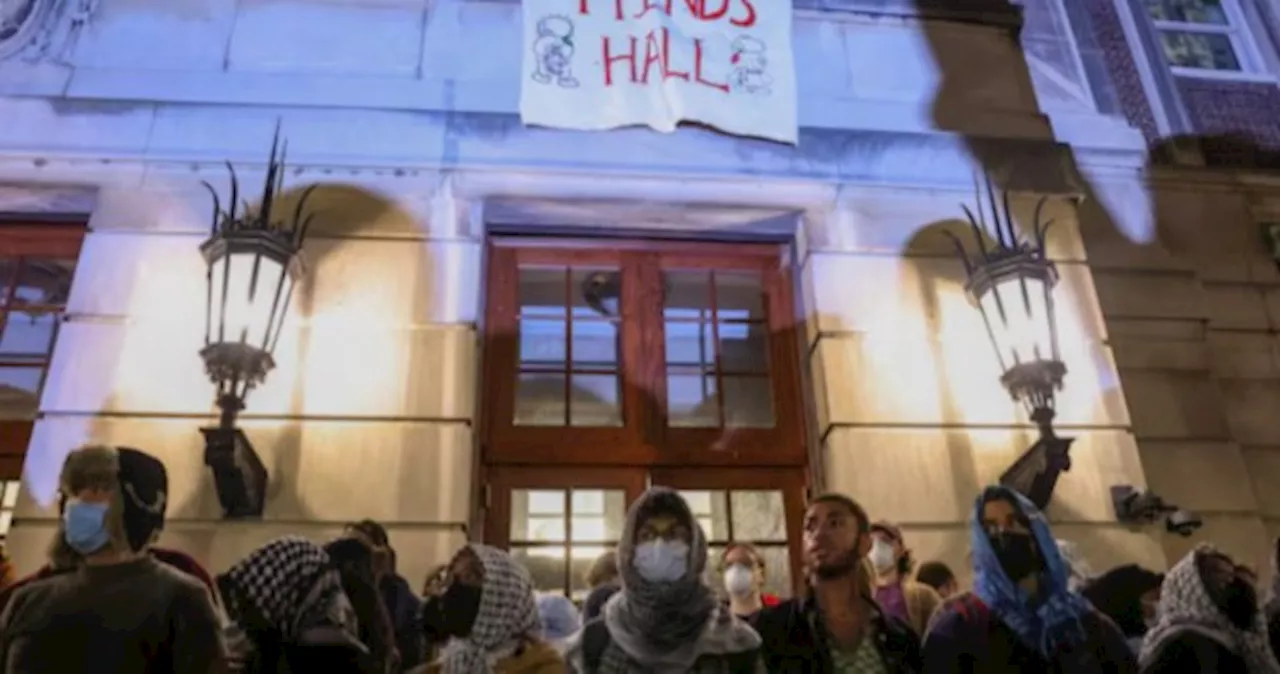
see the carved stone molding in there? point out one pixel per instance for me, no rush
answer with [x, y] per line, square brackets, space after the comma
[47, 200]
[43, 30]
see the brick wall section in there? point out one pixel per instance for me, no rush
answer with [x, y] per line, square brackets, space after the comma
[1111, 40]
[1239, 122]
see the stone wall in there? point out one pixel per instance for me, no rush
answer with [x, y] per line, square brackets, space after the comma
[1191, 311]
[914, 421]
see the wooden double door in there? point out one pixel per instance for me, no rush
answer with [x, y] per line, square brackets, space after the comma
[611, 365]
[557, 521]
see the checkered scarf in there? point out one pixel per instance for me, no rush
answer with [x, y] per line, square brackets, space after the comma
[292, 585]
[667, 626]
[508, 615]
[1185, 606]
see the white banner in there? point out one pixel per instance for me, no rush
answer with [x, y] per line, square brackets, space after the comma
[604, 64]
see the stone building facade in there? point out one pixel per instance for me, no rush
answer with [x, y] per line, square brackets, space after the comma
[405, 112]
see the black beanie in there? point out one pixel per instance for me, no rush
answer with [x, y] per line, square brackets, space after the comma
[144, 487]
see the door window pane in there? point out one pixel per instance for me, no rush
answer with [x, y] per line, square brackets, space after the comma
[540, 399]
[739, 296]
[20, 391]
[550, 541]
[595, 401]
[758, 515]
[570, 365]
[28, 334]
[692, 401]
[751, 516]
[596, 293]
[687, 295]
[541, 292]
[744, 348]
[748, 402]
[715, 329]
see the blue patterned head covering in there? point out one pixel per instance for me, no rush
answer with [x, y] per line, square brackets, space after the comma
[1045, 625]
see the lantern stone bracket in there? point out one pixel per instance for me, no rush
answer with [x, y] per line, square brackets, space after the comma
[253, 259]
[1011, 282]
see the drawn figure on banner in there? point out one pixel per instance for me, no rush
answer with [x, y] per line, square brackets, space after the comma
[750, 67]
[554, 52]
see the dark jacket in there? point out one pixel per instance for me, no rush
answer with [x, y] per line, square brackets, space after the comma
[1195, 653]
[794, 643]
[967, 638]
[403, 607]
[140, 616]
[595, 601]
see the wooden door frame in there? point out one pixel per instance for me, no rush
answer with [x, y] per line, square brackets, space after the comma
[643, 439]
[792, 482]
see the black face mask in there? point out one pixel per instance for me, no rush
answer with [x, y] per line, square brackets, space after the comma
[453, 613]
[1016, 553]
[1240, 603]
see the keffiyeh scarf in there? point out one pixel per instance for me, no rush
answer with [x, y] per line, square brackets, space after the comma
[667, 626]
[1185, 605]
[291, 584]
[1050, 623]
[508, 615]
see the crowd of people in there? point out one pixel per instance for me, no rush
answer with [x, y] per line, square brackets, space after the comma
[110, 601]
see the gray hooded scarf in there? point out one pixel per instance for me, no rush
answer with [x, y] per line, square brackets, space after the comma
[664, 626]
[1185, 605]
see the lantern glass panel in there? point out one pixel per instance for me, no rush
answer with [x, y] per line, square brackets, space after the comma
[251, 280]
[1017, 309]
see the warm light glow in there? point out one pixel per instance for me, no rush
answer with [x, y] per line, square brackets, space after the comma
[576, 552]
[251, 282]
[1017, 313]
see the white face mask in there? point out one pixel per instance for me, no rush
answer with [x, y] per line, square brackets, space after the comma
[660, 561]
[881, 556]
[739, 581]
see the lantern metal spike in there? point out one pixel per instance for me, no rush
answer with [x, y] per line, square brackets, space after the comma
[1010, 280]
[253, 261]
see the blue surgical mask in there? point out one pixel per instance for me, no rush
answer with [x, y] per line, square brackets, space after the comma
[85, 526]
[662, 561]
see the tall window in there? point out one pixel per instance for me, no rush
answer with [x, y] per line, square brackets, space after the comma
[1204, 35]
[37, 261]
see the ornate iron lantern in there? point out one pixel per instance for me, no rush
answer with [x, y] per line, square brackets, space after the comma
[1011, 282]
[254, 259]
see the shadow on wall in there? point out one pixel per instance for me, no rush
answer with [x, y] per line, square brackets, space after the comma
[952, 106]
[322, 342]
[1118, 228]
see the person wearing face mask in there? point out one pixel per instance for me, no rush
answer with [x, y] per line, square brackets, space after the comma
[898, 595]
[744, 572]
[112, 607]
[1020, 617]
[1209, 620]
[489, 614]
[836, 625]
[664, 618]
[1127, 595]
